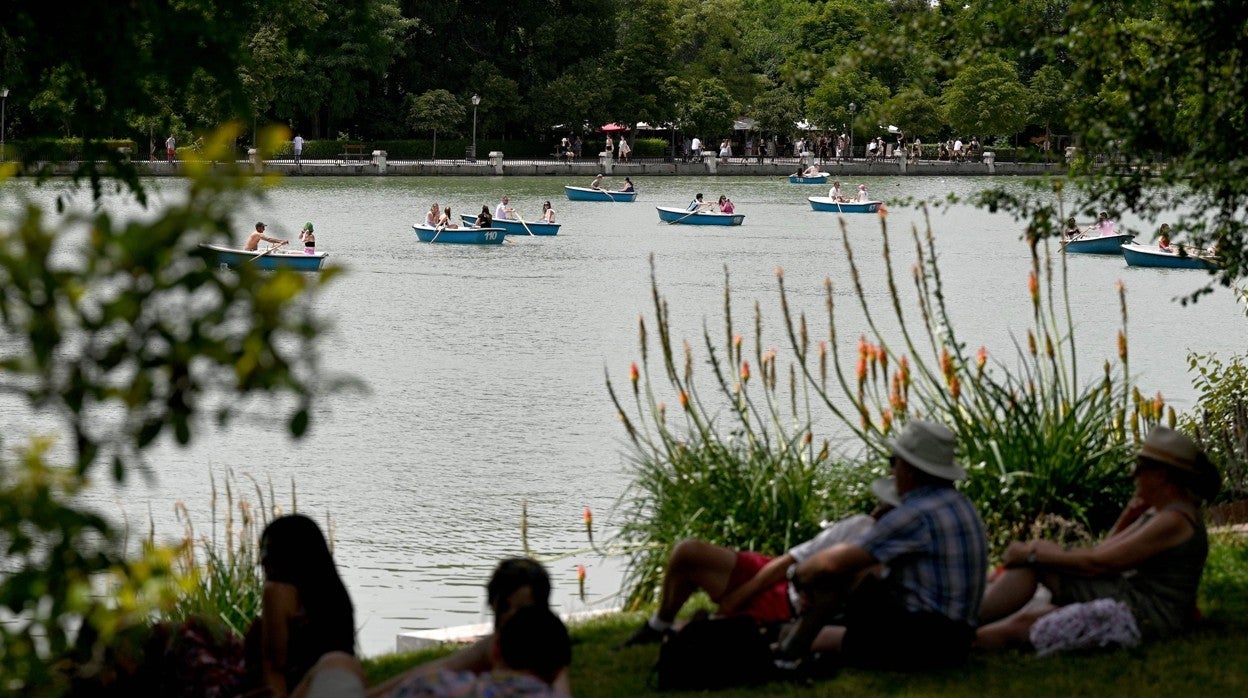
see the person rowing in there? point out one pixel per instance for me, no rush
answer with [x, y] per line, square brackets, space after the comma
[253, 240]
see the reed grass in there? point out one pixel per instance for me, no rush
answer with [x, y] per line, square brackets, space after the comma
[738, 462]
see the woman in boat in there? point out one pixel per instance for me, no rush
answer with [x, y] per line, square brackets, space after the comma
[306, 611]
[1102, 226]
[308, 237]
[446, 221]
[597, 183]
[1163, 240]
[548, 213]
[725, 205]
[628, 186]
[484, 219]
[433, 216]
[1072, 229]
[862, 193]
[1151, 562]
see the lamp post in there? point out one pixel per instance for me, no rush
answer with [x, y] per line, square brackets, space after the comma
[852, 108]
[476, 99]
[4, 100]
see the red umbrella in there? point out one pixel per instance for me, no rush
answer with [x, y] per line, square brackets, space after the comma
[613, 127]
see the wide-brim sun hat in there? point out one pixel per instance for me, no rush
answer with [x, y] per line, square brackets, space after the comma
[929, 447]
[1176, 450]
[885, 490]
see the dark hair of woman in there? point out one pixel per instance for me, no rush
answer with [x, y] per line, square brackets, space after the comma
[293, 551]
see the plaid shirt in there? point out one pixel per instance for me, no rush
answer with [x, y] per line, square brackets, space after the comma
[936, 552]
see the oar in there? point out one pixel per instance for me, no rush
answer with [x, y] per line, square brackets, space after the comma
[684, 217]
[274, 247]
[526, 225]
[437, 230]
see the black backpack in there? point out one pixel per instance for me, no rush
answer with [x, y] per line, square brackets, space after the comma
[712, 653]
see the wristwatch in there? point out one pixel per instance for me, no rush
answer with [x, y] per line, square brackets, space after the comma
[791, 574]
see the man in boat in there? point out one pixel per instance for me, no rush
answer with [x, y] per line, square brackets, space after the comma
[835, 192]
[504, 211]
[748, 583]
[597, 183]
[253, 240]
[698, 204]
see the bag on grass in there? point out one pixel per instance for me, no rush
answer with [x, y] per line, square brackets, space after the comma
[715, 653]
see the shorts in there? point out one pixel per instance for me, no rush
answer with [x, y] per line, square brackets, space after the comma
[880, 633]
[771, 605]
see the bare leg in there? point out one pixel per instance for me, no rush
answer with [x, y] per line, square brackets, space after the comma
[1008, 593]
[1014, 631]
[694, 565]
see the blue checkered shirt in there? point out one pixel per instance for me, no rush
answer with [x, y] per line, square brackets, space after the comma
[936, 552]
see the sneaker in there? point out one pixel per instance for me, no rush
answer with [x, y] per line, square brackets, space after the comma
[645, 635]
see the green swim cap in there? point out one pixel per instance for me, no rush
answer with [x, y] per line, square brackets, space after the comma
[307, 226]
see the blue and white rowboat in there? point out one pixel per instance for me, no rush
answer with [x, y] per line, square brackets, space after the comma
[821, 178]
[1102, 244]
[460, 236]
[275, 258]
[686, 217]
[1153, 256]
[588, 194]
[823, 203]
[515, 227]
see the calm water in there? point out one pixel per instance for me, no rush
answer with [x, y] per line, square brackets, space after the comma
[484, 366]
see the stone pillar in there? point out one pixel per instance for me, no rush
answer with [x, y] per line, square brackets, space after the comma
[496, 161]
[604, 162]
[990, 159]
[257, 162]
[900, 154]
[379, 159]
[710, 159]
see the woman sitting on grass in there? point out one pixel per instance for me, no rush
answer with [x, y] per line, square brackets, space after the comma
[1151, 562]
[306, 610]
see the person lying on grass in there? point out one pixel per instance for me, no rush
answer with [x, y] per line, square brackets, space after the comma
[1151, 562]
[743, 582]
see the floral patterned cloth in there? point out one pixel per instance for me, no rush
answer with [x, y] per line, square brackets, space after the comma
[462, 684]
[1090, 625]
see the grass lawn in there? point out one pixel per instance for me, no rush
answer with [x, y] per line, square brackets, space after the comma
[1212, 660]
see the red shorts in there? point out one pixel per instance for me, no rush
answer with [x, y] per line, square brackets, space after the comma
[771, 605]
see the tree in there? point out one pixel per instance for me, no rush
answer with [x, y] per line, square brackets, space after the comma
[776, 110]
[124, 336]
[433, 110]
[916, 113]
[987, 98]
[704, 108]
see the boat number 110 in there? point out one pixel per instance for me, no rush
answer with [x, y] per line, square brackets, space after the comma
[490, 235]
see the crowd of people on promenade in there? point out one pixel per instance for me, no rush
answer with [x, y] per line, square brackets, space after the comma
[907, 586]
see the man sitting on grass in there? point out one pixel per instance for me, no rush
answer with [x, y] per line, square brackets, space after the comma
[923, 612]
[743, 582]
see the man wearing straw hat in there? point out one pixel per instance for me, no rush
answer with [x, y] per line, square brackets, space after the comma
[922, 613]
[744, 582]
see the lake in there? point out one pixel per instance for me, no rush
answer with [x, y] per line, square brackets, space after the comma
[485, 366]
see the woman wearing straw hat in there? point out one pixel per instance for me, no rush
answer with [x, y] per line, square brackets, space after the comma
[1151, 562]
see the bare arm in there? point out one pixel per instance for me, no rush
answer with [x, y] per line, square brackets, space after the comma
[840, 559]
[1118, 553]
[281, 603]
[475, 658]
[770, 573]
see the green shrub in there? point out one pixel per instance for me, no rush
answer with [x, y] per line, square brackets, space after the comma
[1219, 420]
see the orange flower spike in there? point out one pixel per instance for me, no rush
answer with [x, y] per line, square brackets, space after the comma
[1048, 346]
[883, 360]
[863, 346]
[634, 375]
[946, 363]
[580, 580]
[1033, 286]
[862, 369]
[684, 400]
[981, 358]
[1031, 342]
[745, 372]
[886, 421]
[955, 387]
[1122, 345]
[589, 517]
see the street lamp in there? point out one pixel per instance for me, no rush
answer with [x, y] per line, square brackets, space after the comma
[476, 99]
[852, 108]
[4, 100]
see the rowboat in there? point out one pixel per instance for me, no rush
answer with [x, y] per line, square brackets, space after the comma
[588, 194]
[272, 259]
[1153, 256]
[515, 227]
[687, 217]
[1102, 244]
[821, 178]
[823, 203]
[460, 236]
